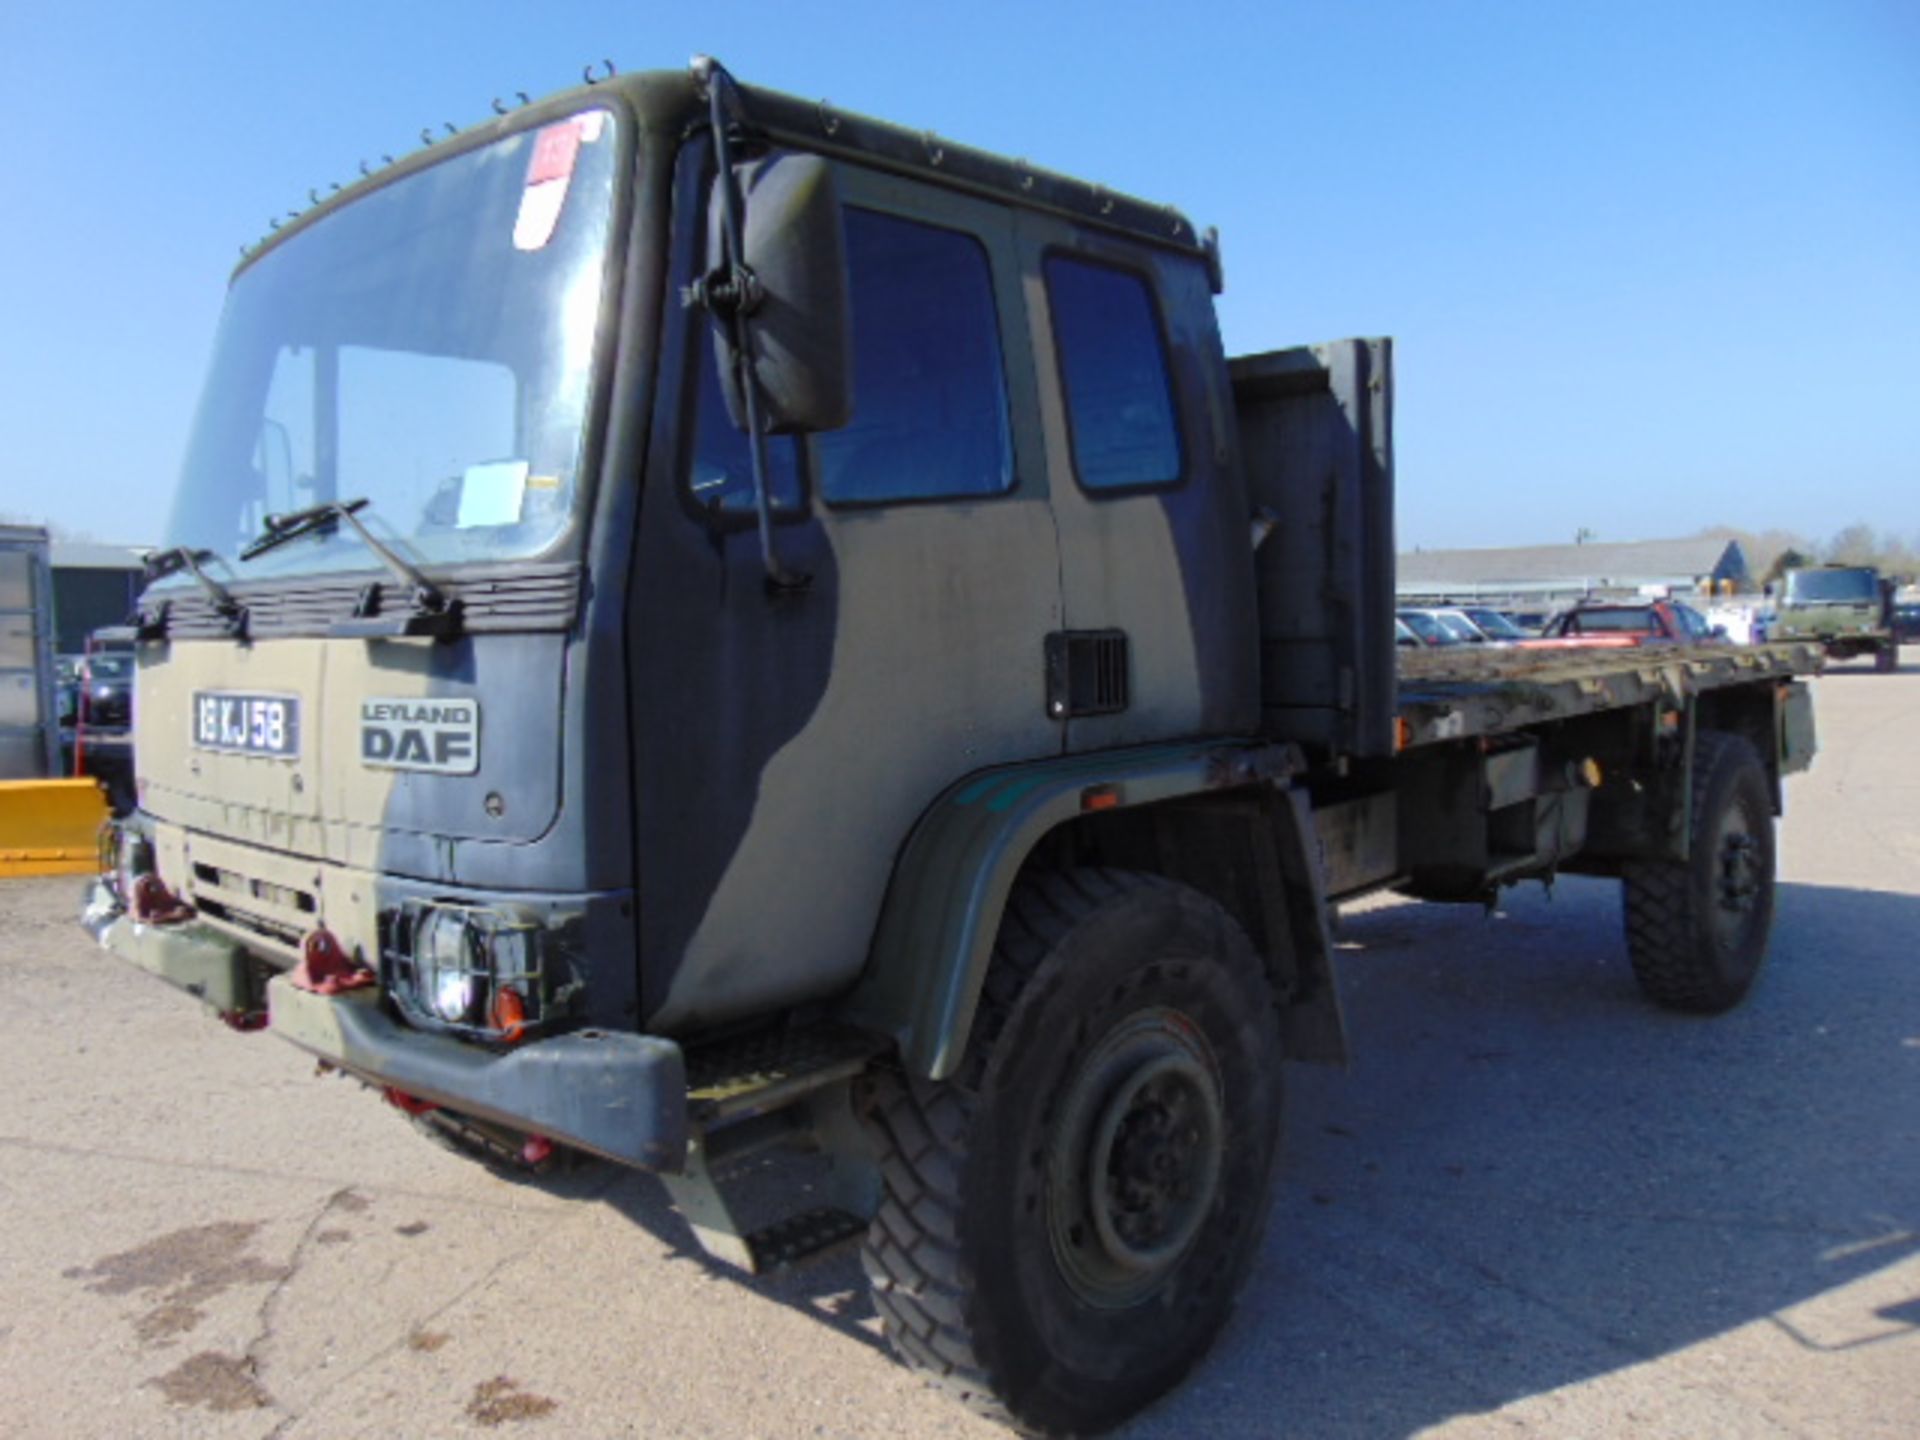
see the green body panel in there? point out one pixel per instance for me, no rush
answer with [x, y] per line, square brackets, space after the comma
[937, 928]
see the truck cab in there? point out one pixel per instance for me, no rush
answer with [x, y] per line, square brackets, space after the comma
[1847, 610]
[488, 678]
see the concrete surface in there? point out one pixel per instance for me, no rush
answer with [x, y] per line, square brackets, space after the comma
[1534, 1207]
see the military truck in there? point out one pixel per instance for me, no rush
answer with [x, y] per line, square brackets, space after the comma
[1845, 609]
[702, 623]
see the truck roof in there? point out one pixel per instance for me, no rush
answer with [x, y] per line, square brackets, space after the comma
[667, 100]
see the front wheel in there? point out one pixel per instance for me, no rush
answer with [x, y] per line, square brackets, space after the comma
[1697, 928]
[1066, 1221]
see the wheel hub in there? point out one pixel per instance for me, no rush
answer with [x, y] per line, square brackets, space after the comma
[1739, 872]
[1134, 1164]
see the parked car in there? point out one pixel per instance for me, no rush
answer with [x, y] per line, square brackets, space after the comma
[1404, 637]
[1619, 626]
[106, 690]
[1476, 624]
[1427, 630]
[1497, 627]
[1462, 630]
[1906, 624]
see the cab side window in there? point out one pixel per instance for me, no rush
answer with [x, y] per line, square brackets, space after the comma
[1113, 367]
[929, 392]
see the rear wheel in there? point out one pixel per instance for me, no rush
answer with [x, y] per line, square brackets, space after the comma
[1697, 929]
[1886, 659]
[1066, 1222]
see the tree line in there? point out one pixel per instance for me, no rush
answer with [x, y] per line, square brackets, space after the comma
[1771, 552]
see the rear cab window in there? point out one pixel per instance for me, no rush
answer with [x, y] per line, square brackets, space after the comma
[1114, 371]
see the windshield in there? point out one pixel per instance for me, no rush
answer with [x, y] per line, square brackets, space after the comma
[428, 347]
[110, 667]
[1460, 628]
[1496, 625]
[1814, 587]
[1634, 621]
[1426, 627]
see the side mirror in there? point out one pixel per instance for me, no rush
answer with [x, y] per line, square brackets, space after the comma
[799, 320]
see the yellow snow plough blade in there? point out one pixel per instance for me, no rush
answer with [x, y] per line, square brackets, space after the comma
[50, 827]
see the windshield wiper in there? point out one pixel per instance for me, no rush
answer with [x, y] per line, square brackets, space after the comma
[175, 558]
[433, 612]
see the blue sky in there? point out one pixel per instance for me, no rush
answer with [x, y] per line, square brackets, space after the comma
[1649, 267]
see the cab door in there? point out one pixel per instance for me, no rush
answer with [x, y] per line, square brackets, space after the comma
[1156, 561]
[787, 743]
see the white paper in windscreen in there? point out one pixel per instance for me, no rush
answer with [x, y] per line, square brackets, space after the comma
[490, 494]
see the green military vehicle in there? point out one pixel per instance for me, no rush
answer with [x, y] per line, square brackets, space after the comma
[1845, 609]
[702, 623]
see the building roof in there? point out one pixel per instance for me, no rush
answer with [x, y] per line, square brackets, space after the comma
[1594, 565]
[94, 555]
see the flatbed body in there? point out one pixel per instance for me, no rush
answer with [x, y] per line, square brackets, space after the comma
[1476, 693]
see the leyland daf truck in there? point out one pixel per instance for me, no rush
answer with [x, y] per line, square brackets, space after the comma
[696, 623]
[1847, 610]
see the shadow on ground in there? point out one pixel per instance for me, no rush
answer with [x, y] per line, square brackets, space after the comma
[1530, 1177]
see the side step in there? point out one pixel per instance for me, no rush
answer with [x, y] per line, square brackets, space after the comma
[777, 1088]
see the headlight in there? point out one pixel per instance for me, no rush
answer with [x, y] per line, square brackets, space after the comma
[470, 968]
[444, 966]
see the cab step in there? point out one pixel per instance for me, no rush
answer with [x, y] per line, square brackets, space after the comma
[766, 1071]
[806, 1236]
[785, 1088]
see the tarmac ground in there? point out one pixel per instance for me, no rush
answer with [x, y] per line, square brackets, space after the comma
[1533, 1206]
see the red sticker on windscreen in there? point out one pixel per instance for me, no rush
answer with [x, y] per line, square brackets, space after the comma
[554, 151]
[549, 170]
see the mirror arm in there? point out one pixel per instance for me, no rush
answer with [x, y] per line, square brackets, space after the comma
[734, 289]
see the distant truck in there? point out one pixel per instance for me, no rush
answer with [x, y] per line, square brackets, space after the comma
[1847, 610]
[838, 656]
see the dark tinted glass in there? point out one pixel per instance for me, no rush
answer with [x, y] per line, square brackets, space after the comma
[1613, 622]
[720, 477]
[1119, 404]
[929, 396]
[1811, 587]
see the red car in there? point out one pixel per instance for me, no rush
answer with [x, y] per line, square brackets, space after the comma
[1624, 626]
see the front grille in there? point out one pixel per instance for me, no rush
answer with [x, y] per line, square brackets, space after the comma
[524, 597]
[259, 909]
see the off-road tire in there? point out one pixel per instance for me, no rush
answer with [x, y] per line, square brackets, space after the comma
[985, 1181]
[1697, 929]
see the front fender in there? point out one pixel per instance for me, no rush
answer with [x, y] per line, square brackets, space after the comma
[934, 939]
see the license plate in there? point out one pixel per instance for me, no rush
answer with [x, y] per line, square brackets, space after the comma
[246, 724]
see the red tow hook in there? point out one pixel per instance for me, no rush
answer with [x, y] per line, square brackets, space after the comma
[245, 1020]
[411, 1104]
[155, 904]
[537, 1151]
[325, 968]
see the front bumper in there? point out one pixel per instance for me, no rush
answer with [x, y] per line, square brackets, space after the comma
[614, 1093]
